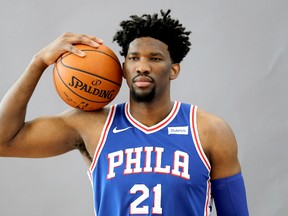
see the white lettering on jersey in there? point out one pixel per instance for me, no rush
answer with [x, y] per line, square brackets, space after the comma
[158, 167]
[148, 151]
[113, 164]
[136, 160]
[133, 164]
[184, 164]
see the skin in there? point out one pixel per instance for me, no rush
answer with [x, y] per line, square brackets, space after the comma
[147, 66]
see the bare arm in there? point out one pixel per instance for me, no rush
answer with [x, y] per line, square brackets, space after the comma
[219, 144]
[41, 137]
[227, 185]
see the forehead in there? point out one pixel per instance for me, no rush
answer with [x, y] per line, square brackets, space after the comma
[148, 44]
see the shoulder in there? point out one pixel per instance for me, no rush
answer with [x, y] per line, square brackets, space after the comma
[219, 144]
[87, 126]
[212, 125]
[78, 118]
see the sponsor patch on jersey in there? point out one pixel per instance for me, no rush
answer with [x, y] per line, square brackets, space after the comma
[178, 130]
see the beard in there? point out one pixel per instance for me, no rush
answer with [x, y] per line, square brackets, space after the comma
[143, 97]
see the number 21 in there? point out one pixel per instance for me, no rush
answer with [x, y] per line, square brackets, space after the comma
[134, 206]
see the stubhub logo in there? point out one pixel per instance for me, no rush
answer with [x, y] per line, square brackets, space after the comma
[178, 130]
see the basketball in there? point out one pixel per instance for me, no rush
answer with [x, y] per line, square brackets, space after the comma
[91, 82]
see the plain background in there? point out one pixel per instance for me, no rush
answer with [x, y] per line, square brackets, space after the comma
[237, 69]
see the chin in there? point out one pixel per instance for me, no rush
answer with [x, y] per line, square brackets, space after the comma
[143, 97]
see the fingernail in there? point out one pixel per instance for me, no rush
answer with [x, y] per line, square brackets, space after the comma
[82, 54]
[94, 44]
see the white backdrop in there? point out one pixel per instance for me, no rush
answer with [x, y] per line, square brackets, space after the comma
[237, 69]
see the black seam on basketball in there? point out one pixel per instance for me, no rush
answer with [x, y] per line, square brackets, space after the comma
[104, 54]
[87, 71]
[75, 92]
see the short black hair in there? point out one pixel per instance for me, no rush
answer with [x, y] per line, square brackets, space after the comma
[164, 28]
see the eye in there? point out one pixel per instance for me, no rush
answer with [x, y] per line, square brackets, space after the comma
[133, 58]
[155, 59]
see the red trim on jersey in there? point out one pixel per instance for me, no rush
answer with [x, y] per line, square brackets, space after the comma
[156, 127]
[208, 199]
[103, 137]
[202, 155]
[197, 140]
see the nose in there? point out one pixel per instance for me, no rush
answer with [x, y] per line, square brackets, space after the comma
[143, 67]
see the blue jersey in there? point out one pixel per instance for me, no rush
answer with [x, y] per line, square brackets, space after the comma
[158, 170]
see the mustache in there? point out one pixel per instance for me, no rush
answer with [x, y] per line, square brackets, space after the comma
[143, 77]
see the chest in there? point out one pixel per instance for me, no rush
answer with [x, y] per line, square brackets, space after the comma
[130, 149]
[150, 170]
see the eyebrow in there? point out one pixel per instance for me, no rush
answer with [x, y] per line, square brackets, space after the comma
[151, 54]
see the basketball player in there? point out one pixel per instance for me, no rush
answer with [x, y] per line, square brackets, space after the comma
[149, 156]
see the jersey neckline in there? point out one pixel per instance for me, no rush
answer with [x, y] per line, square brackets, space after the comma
[158, 126]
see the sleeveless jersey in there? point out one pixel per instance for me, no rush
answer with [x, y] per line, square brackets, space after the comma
[158, 170]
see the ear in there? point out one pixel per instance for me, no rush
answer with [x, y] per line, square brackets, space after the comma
[123, 69]
[175, 70]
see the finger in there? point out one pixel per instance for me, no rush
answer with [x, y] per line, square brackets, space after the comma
[95, 39]
[76, 51]
[86, 39]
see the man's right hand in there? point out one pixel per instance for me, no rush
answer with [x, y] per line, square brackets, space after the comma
[65, 43]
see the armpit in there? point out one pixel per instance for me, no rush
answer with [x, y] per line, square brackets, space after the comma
[80, 145]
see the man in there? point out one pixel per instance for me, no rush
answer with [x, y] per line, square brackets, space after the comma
[149, 156]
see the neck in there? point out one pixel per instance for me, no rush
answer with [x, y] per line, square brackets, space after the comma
[151, 113]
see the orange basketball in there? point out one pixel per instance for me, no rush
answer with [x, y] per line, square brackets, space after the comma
[91, 82]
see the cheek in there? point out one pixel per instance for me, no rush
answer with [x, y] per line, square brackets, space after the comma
[127, 72]
[126, 69]
[126, 76]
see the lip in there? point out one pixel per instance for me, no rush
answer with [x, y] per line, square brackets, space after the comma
[142, 81]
